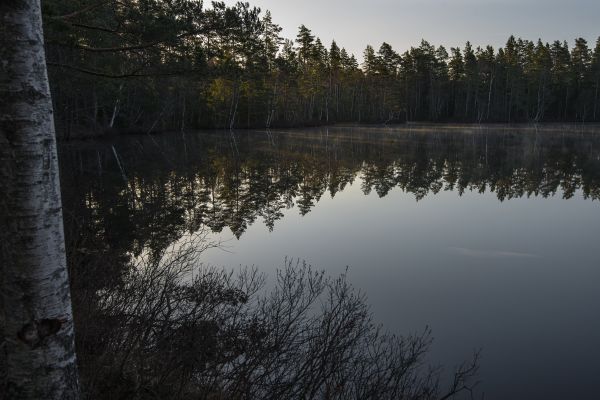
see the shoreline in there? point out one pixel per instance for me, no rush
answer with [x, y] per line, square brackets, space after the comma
[591, 127]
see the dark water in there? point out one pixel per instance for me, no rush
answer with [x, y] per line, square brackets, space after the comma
[489, 236]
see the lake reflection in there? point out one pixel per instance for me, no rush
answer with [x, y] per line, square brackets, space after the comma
[489, 236]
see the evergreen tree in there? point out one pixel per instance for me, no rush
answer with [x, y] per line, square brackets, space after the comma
[369, 61]
[335, 57]
[271, 40]
[388, 60]
[581, 60]
[305, 40]
[595, 77]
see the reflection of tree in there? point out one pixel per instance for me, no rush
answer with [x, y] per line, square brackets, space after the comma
[173, 330]
[218, 185]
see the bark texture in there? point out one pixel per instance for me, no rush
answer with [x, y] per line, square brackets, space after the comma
[37, 324]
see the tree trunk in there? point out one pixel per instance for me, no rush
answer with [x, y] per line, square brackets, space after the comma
[596, 98]
[489, 103]
[182, 125]
[36, 314]
[116, 108]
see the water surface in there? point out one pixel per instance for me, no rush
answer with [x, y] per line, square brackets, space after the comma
[487, 235]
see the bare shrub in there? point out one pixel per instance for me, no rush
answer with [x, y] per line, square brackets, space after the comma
[173, 328]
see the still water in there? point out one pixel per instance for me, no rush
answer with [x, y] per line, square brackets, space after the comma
[490, 236]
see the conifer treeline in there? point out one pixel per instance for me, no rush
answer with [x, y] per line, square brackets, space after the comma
[142, 65]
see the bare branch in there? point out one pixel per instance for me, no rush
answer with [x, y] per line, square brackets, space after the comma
[82, 11]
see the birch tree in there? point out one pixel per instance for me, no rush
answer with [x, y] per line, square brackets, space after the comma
[37, 321]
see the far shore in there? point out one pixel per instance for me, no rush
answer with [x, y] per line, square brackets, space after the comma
[82, 134]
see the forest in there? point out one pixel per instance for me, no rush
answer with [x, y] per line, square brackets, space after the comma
[119, 66]
[105, 289]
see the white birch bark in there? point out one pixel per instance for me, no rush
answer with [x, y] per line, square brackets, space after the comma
[36, 312]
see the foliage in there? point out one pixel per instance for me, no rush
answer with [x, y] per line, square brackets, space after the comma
[153, 64]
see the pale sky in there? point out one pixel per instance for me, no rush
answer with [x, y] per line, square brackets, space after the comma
[403, 23]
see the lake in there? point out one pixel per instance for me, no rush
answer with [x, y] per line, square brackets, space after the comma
[488, 235]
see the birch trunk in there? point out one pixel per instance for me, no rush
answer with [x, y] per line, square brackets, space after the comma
[36, 316]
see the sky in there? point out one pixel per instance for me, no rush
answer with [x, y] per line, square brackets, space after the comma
[403, 23]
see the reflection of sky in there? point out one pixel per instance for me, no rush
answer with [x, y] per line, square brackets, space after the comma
[403, 23]
[516, 278]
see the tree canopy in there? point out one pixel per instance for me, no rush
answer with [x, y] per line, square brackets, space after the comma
[169, 65]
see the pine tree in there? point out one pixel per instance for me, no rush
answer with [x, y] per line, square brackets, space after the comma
[581, 60]
[369, 61]
[388, 60]
[305, 40]
[595, 76]
[335, 57]
[471, 81]
[561, 78]
[271, 40]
